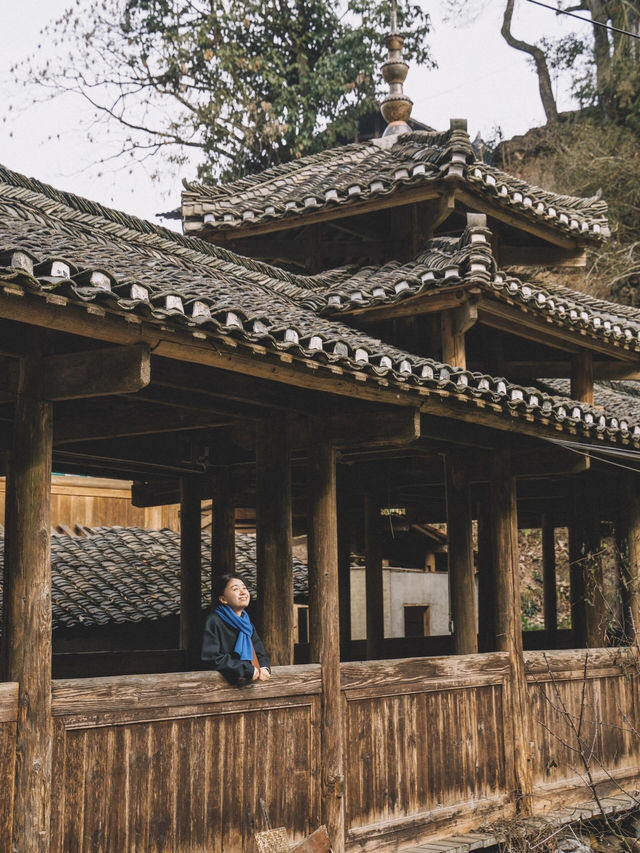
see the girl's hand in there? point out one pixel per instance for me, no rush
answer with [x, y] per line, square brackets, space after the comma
[256, 674]
[264, 675]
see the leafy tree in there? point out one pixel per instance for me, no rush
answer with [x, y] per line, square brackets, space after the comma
[246, 84]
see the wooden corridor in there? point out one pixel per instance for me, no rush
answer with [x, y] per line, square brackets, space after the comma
[156, 762]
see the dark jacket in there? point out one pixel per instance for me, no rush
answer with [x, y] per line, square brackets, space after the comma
[218, 642]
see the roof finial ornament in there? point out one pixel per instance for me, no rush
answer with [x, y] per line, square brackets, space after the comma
[396, 107]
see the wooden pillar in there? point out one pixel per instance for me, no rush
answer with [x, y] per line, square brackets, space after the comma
[462, 585]
[26, 623]
[324, 627]
[549, 579]
[344, 566]
[453, 343]
[504, 528]
[373, 577]
[190, 570]
[632, 562]
[273, 539]
[486, 616]
[582, 377]
[223, 526]
[588, 606]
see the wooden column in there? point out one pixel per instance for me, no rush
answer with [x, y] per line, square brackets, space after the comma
[223, 525]
[549, 579]
[462, 585]
[324, 626]
[508, 619]
[632, 562]
[26, 624]
[373, 577]
[582, 377]
[344, 565]
[190, 570]
[486, 616]
[273, 539]
[588, 606]
[453, 343]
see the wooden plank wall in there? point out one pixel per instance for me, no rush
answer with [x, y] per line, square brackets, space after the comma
[100, 502]
[427, 739]
[179, 762]
[8, 717]
[593, 710]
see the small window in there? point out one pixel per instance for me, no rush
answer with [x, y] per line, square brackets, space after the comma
[417, 621]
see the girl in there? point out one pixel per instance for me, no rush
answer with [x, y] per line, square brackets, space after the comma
[230, 643]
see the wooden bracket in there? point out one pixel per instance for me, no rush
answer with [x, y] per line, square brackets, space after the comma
[376, 429]
[96, 373]
[465, 317]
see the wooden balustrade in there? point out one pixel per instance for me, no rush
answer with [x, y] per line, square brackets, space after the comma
[8, 717]
[179, 761]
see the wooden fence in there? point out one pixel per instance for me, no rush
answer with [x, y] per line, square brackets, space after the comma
[179, 762]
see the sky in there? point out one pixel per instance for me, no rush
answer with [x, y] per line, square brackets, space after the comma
[478, 78]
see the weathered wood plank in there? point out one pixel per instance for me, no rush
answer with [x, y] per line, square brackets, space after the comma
[8, 702]
[7, 775]
[96, 373]
[373, 575]
[573, 661]
[131, 692]
[419, 671]
[462, 584]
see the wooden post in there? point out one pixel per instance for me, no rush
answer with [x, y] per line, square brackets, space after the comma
[273, 539]
[486, 616]
[504, 528]
[462, 584]
[223, 526]
[373, 577]
[324, 627]
[453, 344]
[549, 580]
[632, 562]
[588, 606]
[344, 566]
[582, 377]
[190, 570]
[26, 624]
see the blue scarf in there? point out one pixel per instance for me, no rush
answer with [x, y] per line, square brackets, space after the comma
[242, 624]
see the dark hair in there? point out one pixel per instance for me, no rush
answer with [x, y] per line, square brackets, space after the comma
[220, 584]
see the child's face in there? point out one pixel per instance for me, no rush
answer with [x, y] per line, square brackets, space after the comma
[236, 595]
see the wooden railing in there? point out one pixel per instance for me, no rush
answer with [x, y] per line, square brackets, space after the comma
[585, 718]
[180, 761]
[425, 738]
[8, 717]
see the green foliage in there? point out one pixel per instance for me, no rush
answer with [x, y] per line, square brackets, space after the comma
[249, 84]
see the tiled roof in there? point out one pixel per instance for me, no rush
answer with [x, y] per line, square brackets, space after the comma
[468, 261]
[126, 574]
[619, 398]
[358, 172]
[67, 250]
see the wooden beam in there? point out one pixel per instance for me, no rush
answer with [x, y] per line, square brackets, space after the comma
[486, 616]
[223, 526]
[533, 326]
[462, 584]
[324, 628]
[453, 344]
[549, 578]
[26, 623]
[465, 317]
[476, 201]
[373, 576]
[508, 624]
[345, 533]
[429, 302]
[273, 539]
[631, 565]
[376, 429]
[96, 373]
[588, 605]
[190, 571]
[582, 377]
[538, 256]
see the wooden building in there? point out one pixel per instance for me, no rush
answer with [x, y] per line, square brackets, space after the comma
[319, 399]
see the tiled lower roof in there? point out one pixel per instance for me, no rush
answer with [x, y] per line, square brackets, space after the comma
[344, 176]
[71, 251]
[126, 574]
[618, 398]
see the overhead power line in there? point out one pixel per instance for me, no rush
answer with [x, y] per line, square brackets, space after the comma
[586, 20]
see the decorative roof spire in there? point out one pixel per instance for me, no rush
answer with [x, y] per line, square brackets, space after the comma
[396, 107]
